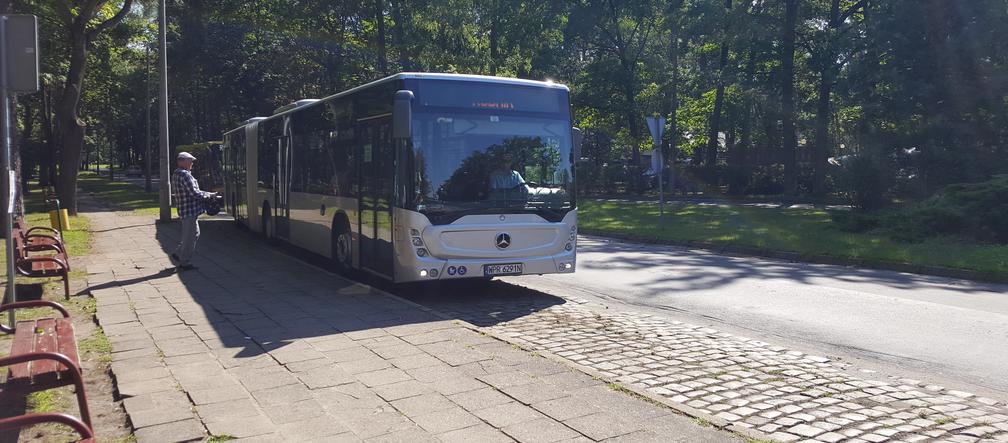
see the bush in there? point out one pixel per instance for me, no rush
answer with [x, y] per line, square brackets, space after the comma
[861, 181]
[977, 211]
[974, 211]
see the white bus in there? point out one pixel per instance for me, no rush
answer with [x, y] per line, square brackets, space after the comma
[415, 177]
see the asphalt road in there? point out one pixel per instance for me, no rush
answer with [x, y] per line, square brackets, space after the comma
[935, 329]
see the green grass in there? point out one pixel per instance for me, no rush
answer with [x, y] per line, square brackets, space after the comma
[50, 400]
[804, 231]
[125, 196]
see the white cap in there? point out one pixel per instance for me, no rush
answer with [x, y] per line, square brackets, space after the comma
[185, 156]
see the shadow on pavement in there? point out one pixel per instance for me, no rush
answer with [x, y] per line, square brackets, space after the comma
[248, 298]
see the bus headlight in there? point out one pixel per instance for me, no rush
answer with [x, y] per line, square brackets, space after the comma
[569, 247]
[421, 252]
[433, 272]
[417, 241]
[566, 266]
[423, 273]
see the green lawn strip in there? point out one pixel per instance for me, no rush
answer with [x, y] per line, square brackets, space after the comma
[804, 231]
[122, 195]
[94, 347]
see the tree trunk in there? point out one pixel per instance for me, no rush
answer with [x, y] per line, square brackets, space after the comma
[70, 125]
[714, 124]
[494, 37]
[399, 33]
[380, 22]
[826, 76]
[789, 144]
[672, 102]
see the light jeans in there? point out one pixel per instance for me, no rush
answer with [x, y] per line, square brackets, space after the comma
[190, 233]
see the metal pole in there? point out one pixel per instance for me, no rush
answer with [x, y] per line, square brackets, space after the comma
[147, 154]
[163, 116]
[661, 180]
[9, 243]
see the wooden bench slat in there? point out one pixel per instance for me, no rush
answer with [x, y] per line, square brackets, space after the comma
[24, 342]
[67, 340]
[45, 341]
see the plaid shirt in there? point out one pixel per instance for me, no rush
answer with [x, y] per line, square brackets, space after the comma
[188, 197]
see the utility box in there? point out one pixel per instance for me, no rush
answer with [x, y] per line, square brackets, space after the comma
[20, 39]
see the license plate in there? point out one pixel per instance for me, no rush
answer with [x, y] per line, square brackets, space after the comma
[502, 269]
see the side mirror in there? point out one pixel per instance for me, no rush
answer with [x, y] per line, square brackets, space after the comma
[577, 137]
[402, 114]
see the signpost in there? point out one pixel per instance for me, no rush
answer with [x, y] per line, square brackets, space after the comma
[18, 73]
[656, 125]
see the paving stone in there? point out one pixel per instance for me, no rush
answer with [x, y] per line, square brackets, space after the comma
[480, 399]
[481, 432]
[226, 410]
[157, 408]
[324, 377]
[541, 430]
[603, 425]
[446, 420]
[507, 414]
[242, 427]
[321, 428]
[382, 377]
[177, 431]
[422, 404]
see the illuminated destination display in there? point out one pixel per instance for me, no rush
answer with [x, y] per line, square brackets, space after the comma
[490, 96]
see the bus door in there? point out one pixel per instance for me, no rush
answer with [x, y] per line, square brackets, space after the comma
[282, 209]
[376, 185]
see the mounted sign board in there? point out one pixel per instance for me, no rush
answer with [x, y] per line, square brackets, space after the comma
[21, 52]
[657, 127]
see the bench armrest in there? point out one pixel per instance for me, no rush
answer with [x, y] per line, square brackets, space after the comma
[38, 259]
[40, 248]
[24, 421]
[31, 304]
[54, 232]
[50, 237]
[75, 374]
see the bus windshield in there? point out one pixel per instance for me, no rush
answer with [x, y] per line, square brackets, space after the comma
[478, 163]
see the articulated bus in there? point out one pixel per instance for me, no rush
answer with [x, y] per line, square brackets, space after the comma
[415, 177]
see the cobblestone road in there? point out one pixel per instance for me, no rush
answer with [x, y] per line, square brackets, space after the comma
[784, 394]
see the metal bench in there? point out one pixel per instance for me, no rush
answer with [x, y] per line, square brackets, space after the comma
[40, 238]
[43, 356]
[41, 266]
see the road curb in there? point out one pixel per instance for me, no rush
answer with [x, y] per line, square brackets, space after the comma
[748, 251]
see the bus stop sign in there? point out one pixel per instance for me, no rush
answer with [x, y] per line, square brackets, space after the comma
[657, 127]
[20, 40]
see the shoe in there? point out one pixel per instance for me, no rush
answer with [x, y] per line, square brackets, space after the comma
[187, 267]
[174, 259]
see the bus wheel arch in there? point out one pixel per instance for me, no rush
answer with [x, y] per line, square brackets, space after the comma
[341, 252]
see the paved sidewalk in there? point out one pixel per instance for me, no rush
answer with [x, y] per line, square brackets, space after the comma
[262, 347]
[783, 394]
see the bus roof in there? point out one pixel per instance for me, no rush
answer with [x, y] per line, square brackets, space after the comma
[418, 76]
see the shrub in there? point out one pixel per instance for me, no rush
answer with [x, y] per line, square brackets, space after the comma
[974, 211]
[861, 180]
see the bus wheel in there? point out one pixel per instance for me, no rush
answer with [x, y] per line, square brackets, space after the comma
[265, 222]
[342, 251]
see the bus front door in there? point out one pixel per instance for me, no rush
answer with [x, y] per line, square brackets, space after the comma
[282, 200]
[376, 181]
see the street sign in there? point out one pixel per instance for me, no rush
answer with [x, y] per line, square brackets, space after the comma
[21, 52]
[657, 127]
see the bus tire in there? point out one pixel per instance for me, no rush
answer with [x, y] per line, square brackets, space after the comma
[342, 246]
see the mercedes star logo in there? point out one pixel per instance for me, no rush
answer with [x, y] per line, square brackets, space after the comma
[503, 240]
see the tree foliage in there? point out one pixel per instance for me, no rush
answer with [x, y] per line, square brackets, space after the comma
[758, 94]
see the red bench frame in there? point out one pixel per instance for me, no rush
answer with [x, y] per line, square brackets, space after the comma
[45, 359]
[41, 266]
[24, 421]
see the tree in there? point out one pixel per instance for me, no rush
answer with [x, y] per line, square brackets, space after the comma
[789, 145]
[84, 21]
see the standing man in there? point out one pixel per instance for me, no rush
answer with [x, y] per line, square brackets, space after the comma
[189, 203]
